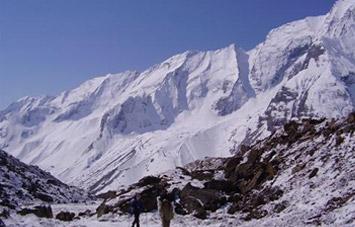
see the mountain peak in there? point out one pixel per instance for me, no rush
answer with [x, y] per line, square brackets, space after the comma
[341, 7]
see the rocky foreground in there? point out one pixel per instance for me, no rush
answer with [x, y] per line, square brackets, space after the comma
[303, 174]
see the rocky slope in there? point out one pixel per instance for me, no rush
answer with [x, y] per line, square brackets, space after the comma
[21, 184]
[116, 129]
[301, 175]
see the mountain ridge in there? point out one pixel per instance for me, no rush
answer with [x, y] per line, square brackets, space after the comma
[116, 129]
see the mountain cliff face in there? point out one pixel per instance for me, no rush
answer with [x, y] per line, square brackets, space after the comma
[116, 129]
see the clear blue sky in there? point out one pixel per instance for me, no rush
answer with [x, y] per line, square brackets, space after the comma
[50, 46]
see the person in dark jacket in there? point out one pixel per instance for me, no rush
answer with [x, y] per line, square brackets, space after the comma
[175, 197]
[2, 224]
[136, 209]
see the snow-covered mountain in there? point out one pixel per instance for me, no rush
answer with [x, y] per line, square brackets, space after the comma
[116, 129]
[301, 175]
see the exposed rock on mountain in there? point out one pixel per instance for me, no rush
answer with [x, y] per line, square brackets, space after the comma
[22, 184]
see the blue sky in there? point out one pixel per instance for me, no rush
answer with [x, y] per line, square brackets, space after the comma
[50, 46]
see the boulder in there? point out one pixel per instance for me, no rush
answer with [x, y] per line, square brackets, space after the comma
[230, 166]
[337, 202]
[148, 180]
[147, 197]
[65, 216]
[331, 128]
[256, 214]
[254, 156]
[103, 209]
[5, 213]
[279, 207]
[107, 195]
[269, 170]
[39, 211]
[44, 197]
[202, 175]
[235, 198]
[209, 199]
[291, 128]
[339, 140]
[244, 171]
[250, 175]
[298, 168]
[220, 185]
[7, 203]
[86, 213]
[193, 206]
[313, 173]
[351, 118]
[250, 202]
[184, 171]
[272, 193]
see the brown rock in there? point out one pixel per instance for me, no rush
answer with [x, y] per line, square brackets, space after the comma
[202, 175]
[85, 213]
[313, 173]
[351, 118]
[269, 169]
[148, 180]
[103, 209]
[298, 168]
[44, 197]
[220, 185]
[39, 211]
[107, 195]
[244, 171]
[253, 182]
[147, 197]
[194, 199]
[256, 214]
[279, 207]
[65, 216]
[230, 166]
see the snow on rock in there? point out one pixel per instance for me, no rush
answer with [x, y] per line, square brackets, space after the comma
[22, 184]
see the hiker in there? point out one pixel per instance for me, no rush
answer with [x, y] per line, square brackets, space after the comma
[136, 209]
[175, 197]
[166, 210]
